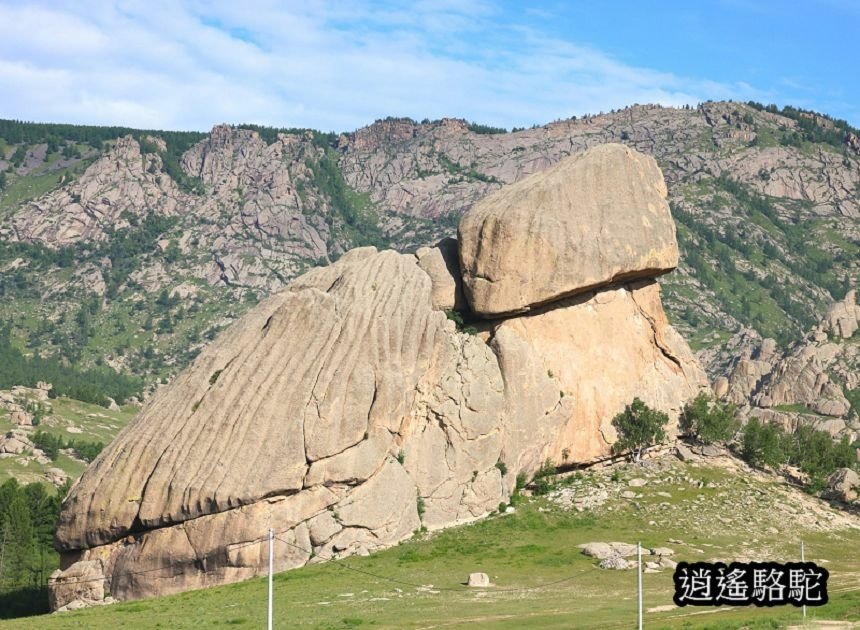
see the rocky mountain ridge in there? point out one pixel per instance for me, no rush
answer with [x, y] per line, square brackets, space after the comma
[767, 204]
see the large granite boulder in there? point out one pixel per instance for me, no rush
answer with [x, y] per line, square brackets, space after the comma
[596, 352]
[594, 218]
[348, 411]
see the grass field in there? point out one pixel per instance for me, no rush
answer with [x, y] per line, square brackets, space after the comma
[542, 580]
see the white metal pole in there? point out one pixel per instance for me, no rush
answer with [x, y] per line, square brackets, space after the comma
[803, 559]
[271, 570]
[639, 572]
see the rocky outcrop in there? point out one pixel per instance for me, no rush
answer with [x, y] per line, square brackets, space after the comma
[842, 485]
[122, 186]
[843, 318]
[595, 218]
[348, 411]
[808, 383]
[265, 210]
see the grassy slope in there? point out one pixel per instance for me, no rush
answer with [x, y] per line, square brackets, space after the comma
[533, 547]
[96, 423]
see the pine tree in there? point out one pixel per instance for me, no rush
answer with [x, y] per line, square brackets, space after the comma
[17, 546]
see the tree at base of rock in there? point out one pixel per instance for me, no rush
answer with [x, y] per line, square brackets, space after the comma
[708, 420]
[762, 444]
[638, 427]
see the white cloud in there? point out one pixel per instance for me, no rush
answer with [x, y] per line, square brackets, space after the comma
[332, 66]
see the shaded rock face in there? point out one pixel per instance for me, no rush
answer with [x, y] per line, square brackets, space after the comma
[347, 411]
[592, 219]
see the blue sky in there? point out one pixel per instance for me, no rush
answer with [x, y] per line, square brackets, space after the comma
[190, 64]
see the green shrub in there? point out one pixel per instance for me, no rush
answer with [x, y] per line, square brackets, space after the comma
[457, 318]
[710, 420]
[522, 480]
[50, 444]
[818, 455]
[638, 427]
[763, 444]
[87, 451]
[853, 397]
[544, 478]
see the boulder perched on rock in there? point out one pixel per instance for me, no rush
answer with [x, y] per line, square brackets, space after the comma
[594, 218]
[441, 264]
[348, 411]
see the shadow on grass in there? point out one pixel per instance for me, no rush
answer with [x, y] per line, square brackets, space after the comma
[24, 602]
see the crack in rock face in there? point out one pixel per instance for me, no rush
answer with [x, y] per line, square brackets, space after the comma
[348, 411]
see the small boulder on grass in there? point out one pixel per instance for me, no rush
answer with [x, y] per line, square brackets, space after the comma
[616, 562]
[480, 580]
[599, 550]
[668, 563]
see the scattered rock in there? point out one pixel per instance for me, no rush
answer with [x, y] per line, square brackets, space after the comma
[15, 445]
[57, 476]
[710, 450]
[637, 482]
[684, 453]
[668, 563]
[616, 562]
[598, 550]
[843, 318]
[21, 418]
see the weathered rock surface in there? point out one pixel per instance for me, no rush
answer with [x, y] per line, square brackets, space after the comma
[83, 582]
[594, 218]
[442, 264]
[842, 485]
[843, 318]
[621, 334]
[347, 411]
